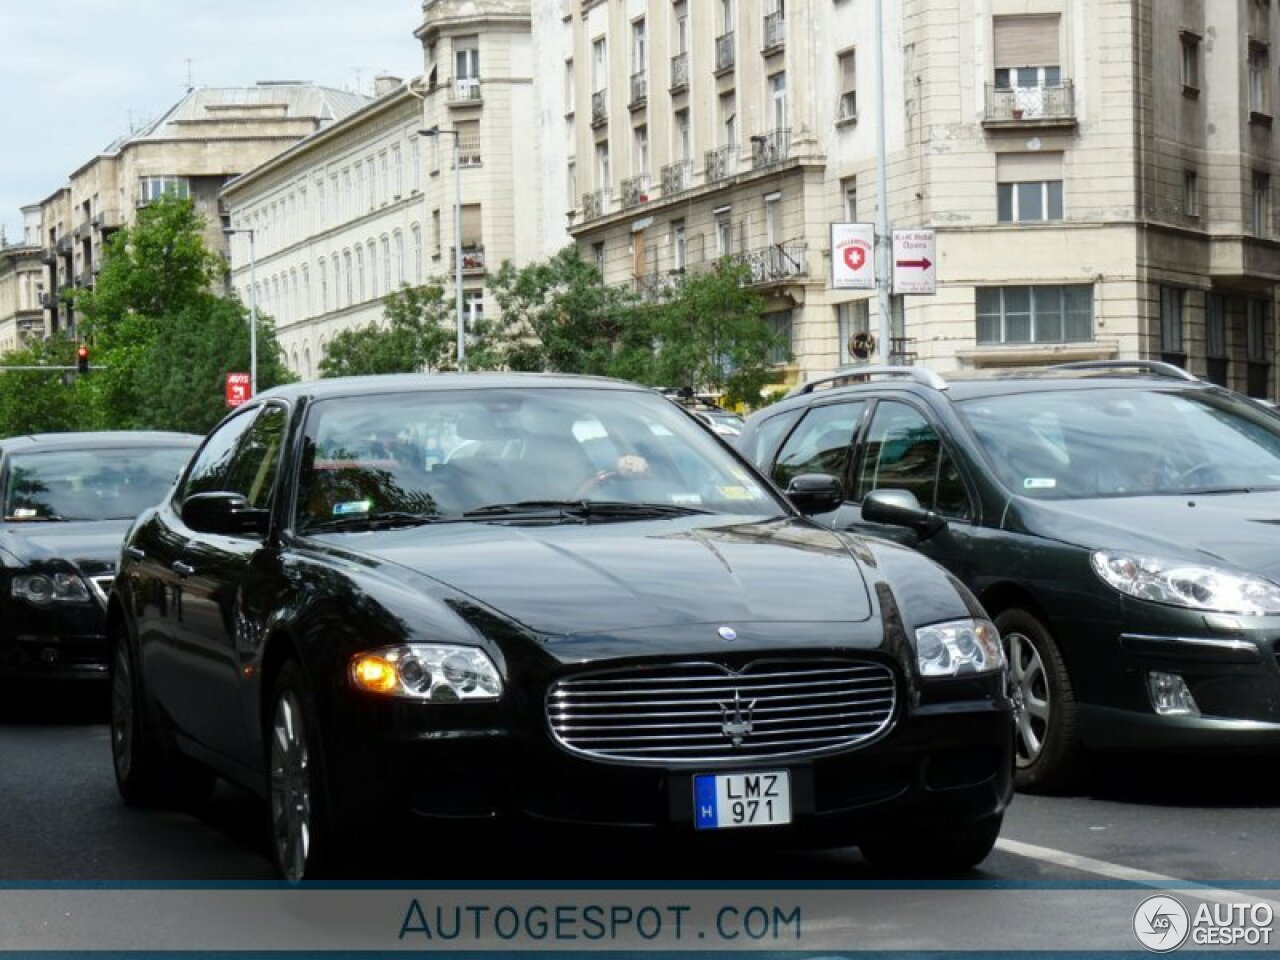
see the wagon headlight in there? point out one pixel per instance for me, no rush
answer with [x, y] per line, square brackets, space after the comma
[45, 589]
[1192, 585]
[958, 647]
[432, 672]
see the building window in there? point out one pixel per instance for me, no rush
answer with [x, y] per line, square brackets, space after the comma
[1027, 60]
[417, 254]
[728, 120]
[679, 246]
[684, 137]
[1257, 332]
[568, 87]
[1215, 337]
[468, 142]
[599, 65]
[1190, 63]
[571, 182]
[779, 323]
[360, 181]
[397, 172]
[359, 273]
[597, 257]
[1190, 193]
[472, 227]
[724, 232]
[386, 264]
[1259, 79]
[637, 47]
[1173, 306]
[778, 100]
[849, 191]
[474, 310]
[153, 188]
[349, 288]
[847, 109]
[466, 62]
[1261, 206]
[372, 247]
[1028, 187]
[641, 143]
[852, 318]
[415, 160]
[435, 233]
[399, 247]
[386, 175]
[1040, 314]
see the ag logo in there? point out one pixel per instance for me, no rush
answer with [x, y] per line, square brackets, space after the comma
[1161, 923]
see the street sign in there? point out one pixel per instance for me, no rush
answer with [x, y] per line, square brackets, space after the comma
[237, 389]
[914, 261]
[853, 256]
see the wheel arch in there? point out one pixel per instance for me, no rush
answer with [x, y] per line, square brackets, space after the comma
[999, 597]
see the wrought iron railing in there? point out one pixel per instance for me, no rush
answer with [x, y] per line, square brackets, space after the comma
[770, 148]
[1031, 103]
[639, 88]
[596, 204]
[676, 177]
[599, 107]
[724, 51]
[472, 259]
[635, 191]
[775, 30]
[721, 162]
[465, 89]
[779, 261]
[679, 72]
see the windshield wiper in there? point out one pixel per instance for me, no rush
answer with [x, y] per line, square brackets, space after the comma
[373, 521]
[579, 510]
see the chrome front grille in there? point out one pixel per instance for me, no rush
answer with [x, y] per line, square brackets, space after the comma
[102, 586]
[700, 712]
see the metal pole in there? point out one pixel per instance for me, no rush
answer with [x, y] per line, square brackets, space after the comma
[884, 239]
[253, 318]
[457, 250]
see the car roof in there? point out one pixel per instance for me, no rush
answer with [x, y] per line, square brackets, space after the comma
[405, 382]
[99, 439]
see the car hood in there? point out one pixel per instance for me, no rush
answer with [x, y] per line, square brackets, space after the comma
[1240, 530]
[91, 545]
[567, 579]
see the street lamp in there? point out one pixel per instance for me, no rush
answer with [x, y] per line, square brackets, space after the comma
[457, 237]
[253, 310]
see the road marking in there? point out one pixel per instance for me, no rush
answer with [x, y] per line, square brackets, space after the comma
[1118, 871]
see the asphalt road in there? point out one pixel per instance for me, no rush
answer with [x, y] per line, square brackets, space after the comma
[61, 819]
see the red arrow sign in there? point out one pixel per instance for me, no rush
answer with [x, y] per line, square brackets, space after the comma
[923, 264]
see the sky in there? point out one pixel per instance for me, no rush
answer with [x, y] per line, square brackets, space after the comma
[77, 74]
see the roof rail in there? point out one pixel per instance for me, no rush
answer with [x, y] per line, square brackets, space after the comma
[861, 374]
[1156, 367]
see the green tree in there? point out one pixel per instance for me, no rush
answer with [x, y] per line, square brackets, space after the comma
[41, 402]
[418, 336]
[710, 334]
[556, 315]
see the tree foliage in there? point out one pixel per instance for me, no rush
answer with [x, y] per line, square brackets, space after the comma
[418, 335]
[40, 402]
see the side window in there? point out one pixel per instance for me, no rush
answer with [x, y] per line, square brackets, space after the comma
[257, 458]
[211, 469]
[903, 452]
[769, 434]
[820, 444]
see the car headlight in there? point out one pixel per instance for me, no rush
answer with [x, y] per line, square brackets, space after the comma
[959, 647]
[1181, 584]
[433, 672]
[44, 589]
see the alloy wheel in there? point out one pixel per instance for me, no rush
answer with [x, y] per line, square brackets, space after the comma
[122, 725]
[290, 788]
[1030, 695]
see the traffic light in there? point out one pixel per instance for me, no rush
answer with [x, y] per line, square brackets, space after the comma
[82, 359]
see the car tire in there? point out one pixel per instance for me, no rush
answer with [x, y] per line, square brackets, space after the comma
[147, 774]
[934, 852]
[1046, 741]
[303, 841]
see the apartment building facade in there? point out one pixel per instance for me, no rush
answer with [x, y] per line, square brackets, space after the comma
[206, 138]
[22, 285]
[1098, 172]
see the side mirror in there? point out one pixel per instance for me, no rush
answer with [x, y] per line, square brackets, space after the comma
[223, 512]
[815, 493]
[900, 508]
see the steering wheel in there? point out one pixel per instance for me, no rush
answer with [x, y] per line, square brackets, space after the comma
[593, 481]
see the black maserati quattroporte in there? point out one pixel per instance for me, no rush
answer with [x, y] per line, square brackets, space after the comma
[469, 598]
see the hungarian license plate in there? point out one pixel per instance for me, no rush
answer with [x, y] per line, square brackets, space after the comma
[724, 800]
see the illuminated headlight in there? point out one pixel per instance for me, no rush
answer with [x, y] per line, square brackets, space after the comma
[1192, 585]
[419, 671]
[959, 647]
[43, 589]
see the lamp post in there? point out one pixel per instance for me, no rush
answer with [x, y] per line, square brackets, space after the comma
[457, 238]
[253, 310]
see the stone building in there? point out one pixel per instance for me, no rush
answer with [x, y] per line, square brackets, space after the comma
[22, 285]
[208, 137]
[1099, 172]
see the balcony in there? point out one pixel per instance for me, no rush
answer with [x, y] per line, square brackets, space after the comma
[657, 286]
[679, 72]
[596, 204]
[676, 178]
[635, 191]
[1030, 107]
[724, 52]
[473, 259]
[464, 91]
[775, 32]
[83, 230]
[599, 108]
[721, 163]
[639, 90]
[770, 148]
[776, 263]
[84, 279]
[63, 246]
[48, 257]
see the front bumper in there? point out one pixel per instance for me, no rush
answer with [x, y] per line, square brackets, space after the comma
[941, 766]
[53, 644]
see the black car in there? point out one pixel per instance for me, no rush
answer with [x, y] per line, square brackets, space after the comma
[67, 500]
[1120, 522]
[468, 598]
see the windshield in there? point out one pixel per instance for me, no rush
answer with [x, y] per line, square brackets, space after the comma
[445, 454]
[1067, 444]
[106, 484]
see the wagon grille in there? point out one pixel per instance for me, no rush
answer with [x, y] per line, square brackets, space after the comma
[699, 712]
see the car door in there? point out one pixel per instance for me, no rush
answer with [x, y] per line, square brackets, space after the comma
[223, 579]
[822, 442]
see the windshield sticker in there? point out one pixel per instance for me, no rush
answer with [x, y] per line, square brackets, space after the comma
[735, 493]
[22, 513]
[348, 507]
[1039, 483]
[685, 498]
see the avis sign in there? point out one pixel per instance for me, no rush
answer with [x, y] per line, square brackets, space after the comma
[914, 261]
[853, 259]
[238, 389]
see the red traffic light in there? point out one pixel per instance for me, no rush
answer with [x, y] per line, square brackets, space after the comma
[82, 359]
